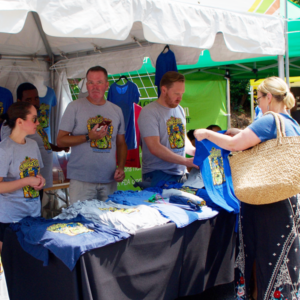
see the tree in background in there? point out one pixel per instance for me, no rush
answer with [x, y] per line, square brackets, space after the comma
[296, 1]
[239, 95]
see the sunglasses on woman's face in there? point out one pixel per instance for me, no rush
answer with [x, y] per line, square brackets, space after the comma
[34, 119]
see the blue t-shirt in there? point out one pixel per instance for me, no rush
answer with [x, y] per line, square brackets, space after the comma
[66, 239]
[165, 62]
[46, 104]
[265, 127]
[125, 96]
[131, 198]
[214, 164]
[6, 100]
[258, 113]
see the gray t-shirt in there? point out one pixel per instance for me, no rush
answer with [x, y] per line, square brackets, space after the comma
[169, 124]
[18, 161]
[93, 161]
[41, 138]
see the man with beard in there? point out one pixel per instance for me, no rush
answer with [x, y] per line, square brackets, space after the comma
[94, 128]
[27, 92]
[162, 125]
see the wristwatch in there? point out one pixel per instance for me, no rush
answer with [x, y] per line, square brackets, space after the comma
[87, 137]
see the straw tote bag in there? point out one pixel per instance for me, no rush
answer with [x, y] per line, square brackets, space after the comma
[270, 171]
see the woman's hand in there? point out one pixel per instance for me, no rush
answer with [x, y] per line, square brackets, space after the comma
[200, 134]
[232, 131]
[37, 182]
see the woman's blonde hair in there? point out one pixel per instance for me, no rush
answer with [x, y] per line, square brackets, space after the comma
[279, 90]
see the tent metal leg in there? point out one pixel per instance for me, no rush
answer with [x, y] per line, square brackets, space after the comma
[252, 103]
[280, 67]
[287, 67]
[228, 101]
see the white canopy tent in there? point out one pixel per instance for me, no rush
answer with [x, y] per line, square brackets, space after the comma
[73, 35]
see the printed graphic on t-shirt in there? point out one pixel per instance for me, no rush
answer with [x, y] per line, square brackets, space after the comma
[121, 210]
[216, 166]
[44, 136]
[29, 168]
[43, 115]
[104, 144]
[176, 132]
[1, 108]
[71, 229]
[190, 190]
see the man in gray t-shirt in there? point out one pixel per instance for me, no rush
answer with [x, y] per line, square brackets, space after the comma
[94, 128]
[163, 130]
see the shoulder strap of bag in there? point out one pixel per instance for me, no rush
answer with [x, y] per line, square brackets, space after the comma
[280, 125]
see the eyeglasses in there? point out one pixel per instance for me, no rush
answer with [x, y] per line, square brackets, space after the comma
[257, 100]
[34, 119]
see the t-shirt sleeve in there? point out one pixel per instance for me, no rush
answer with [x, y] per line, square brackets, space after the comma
[264, 128]
[5, 132]
[121, 129]
[4, 163]
[148, 124]
[137, 95]
[67, 122]
[109, 94]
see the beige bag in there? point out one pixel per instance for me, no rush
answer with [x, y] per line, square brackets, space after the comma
[270, 171]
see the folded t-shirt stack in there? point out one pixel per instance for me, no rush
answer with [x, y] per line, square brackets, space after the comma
[122, 217]
[66, 239]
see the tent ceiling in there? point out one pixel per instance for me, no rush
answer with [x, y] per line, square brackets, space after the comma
[76, 27]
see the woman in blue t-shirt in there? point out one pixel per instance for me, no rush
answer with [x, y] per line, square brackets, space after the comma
[20, 163]
[269, 237]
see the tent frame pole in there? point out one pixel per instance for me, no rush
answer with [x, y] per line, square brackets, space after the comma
[281, 66]
[287, 70]
[227, 77]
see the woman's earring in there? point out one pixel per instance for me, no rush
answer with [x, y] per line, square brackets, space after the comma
[268, 107]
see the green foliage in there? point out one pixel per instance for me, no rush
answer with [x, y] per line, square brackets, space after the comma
[296, 1]
[239, 95]
[74, 89]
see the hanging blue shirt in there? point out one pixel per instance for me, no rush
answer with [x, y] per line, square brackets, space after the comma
[265, 127]
[165, 62]
[125, 96]
[6, 100]
[66, 239]
[214, 164]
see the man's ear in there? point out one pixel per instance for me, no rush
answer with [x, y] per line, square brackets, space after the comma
[163, 89]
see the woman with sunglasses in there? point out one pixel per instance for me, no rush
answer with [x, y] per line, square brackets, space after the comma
[27, 92]
[269, 233]
[20, 164]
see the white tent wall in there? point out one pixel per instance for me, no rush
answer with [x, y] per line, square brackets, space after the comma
[15, 72]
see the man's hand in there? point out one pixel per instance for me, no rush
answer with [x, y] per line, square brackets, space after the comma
[190, 164]
[99, 134]
[119, 175]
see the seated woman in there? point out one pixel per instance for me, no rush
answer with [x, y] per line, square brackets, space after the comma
[270, 233]
[20, 164]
